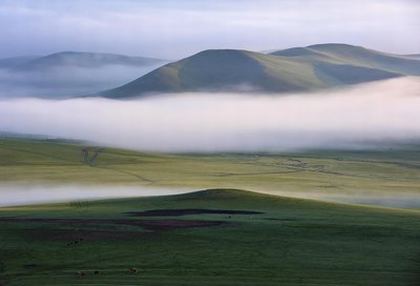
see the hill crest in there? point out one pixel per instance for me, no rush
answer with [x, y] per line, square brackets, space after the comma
[292, 70]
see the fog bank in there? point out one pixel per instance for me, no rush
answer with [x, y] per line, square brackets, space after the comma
[363, 116]
[13, 195]
[67, 81]
[23, 194]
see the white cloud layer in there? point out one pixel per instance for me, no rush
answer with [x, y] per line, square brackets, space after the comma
[367, 115]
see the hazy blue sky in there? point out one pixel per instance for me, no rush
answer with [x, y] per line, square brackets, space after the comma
[176, 28]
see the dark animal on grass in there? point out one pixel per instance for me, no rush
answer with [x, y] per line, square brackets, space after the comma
[79, 204]
[75, 242]
[132, 270]
[81, 274]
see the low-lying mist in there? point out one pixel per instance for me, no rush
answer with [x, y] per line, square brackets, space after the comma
[363, 116]
[13, 195]
[24, 194]
[67, 81]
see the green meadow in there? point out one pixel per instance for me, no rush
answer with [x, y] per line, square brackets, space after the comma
[222, 235]
[49, 161]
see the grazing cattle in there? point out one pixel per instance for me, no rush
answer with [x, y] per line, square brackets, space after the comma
[74, 242]
[132, 270]
[81, 274]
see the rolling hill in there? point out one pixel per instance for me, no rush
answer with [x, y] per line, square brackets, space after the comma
[33, 159]
[210, 237]
[343, 54]
[79, 59]
[292, 70]
[69, 74]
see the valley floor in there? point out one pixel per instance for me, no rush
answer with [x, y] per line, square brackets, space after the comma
[219, 236]
[377, 173]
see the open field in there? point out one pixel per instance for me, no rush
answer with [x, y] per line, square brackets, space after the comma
[203, 241]
[221, 236]
[343, 172]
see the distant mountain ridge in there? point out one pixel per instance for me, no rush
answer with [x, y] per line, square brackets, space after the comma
[15, 61]
[69, 74]
[291, 70]
[79, 59]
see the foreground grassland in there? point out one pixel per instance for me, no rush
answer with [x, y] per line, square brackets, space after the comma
[41, 161]
[215, 237]
[203, 242]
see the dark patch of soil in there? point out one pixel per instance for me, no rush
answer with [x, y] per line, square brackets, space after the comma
[153, 225]
[29, 265]
[280, 219]
[74, 238]
[182, 212]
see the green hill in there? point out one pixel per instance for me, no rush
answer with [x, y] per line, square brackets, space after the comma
[292, 70]
[212, 237]
[221, 70]
[353, 55]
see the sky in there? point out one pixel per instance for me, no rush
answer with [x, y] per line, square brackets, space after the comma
[173, 29]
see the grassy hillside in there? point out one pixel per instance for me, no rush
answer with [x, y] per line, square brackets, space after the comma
[220, 236]
[213, 237]
[342, 54]
[378, 172]
[291, 70]
[218, 70]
